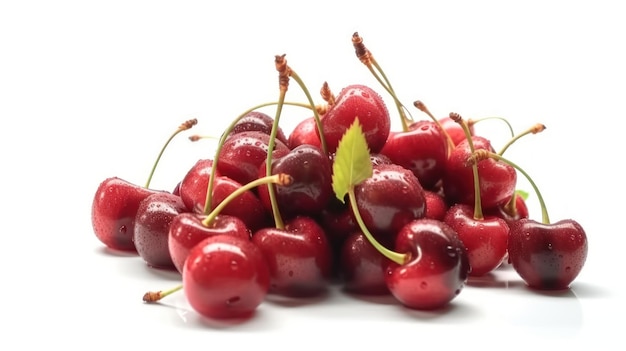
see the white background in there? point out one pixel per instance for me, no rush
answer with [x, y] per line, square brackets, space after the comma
[92, 89]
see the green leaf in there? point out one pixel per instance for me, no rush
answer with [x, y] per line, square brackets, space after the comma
[352, 163]
[523, 194]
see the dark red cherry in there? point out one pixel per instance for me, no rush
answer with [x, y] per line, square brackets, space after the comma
[362, 267]
[152, 225]
[547, 256]
[311, 189]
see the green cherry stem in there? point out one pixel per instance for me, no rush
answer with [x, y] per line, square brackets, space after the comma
[537, 128]
[508, 124]
[366, 57]
[184, 126]
[422, 107]
[280, 179]
[396, 257]
[478, 210]
[479, 155]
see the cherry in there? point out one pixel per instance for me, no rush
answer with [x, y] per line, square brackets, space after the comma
[299, 257]
[454, 130]
[187, 230]
[246, 206]
[436, 267]
[546, 255]
[116, 201]
[305, 132]
[423, 150]
[362, 266]
[193, 187]
[497, 179]
[152, 224]
[361, 101]
[389, 199]
[436, 206]
[225, 276]
[242, 154]
[113, 212]
[311, 189]
[485, 238]
[257, 121]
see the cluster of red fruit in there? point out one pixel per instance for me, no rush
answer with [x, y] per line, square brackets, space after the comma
[413, 213]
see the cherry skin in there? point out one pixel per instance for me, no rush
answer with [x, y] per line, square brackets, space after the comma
[454, 130]
[304, 133]
[362, 267]
[423, 150]
[510, 214]
[247, 206]
[260, 122]
[436, 270]
[193, 187]
[357, 101]
[389, 199]
[311, 189]
[225, 276]
[299, 257]
[152, 225]
[113, 212]
[187, 230]
[547, 256]
[436, 206]
[485, 239]
[242, 155]
[497, 179]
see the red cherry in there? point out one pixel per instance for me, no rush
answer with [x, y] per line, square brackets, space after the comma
[485, 239]
[423, 150]
[363, 267]
[242, 154]
[304, 133]
[247, 206]
[225, 276]
[357, 101]
[497, 179]
[454, 130]
[187, 230]
[436, 270]
[548, 256]
[194, 185]
[389, 199]
[436, 206]
[152, 225]
[113, 212]
[299, 257]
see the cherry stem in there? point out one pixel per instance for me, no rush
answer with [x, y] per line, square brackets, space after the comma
[471, 122]
[366, 57]
[396, 257]
[283, 179]
[154, 296]
[208, 203]
[197, 137]
[479, 155]
[184, 126]
[478, 210]
[537, 128]
[422, 107]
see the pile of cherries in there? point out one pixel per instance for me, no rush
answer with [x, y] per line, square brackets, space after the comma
[341, 198]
